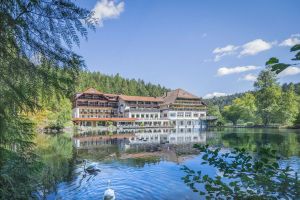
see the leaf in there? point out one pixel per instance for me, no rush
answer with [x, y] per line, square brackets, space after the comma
[205, 156]
[277, 68]
[297, 56]
[295, 47]
[272, 60]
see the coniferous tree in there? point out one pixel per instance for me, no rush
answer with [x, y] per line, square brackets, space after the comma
[36, 62]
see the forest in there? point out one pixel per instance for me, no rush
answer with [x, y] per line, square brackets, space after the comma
[269, 104]
[56, 113]
[39, 74]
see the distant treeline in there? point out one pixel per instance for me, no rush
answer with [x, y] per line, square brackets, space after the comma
[227, 100]
[118, 85]
[269, 104]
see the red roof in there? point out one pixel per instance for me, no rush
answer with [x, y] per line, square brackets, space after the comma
[140, 98]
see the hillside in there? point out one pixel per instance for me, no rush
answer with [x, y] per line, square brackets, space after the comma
[118, 85]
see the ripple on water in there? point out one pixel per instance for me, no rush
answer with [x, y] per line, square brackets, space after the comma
[152, 181]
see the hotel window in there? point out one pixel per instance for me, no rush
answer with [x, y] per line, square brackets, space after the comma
[188, 114]
[156, 116]
[132, 115]
[180, 114]
[202, 115]
[196, 115]
[142, 116]
[172, 114]
[137, 116]
[151, 116]
[165, 115]
[147, 116]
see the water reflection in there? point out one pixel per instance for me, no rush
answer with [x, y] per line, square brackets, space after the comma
[149, 136]
[140, 162]
[284, 141]
[56, 156]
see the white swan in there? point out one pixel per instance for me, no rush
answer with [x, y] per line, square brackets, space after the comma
[92, 168]
[109, 194]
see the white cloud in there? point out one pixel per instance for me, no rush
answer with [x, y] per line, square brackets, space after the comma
[249, 77]
[255, 46]
[215, 94]
[228, 48]
[290, 71]
[291, 41]
[235, 70]
[223, 51]
[107, 9]
[251, 48]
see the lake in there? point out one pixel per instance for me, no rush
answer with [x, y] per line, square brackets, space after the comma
[144, 164]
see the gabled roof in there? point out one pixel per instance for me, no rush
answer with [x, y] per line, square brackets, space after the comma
[88, 91]
[140, 98]
[178, 93]
[92, 91]
[184, 94]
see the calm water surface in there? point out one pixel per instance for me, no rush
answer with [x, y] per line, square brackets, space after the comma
[145, 164]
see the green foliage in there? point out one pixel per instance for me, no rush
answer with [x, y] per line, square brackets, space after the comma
[242, 108]
[297, 120]
[243, 176]
[35, 65]
[232, 113]
[18, 163]
[214, 110]
[296, 49]
[275, 66]
[288, 107]
[223, 100]
[60, 112]
[118, 85]
[55, 153]
[269, 103]
[268, 93]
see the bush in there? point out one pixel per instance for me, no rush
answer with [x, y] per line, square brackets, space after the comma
[242, 175]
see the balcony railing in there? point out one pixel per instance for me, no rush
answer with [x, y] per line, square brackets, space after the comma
[98, 105]
[143, 110]
[143, 105]
[209, 118]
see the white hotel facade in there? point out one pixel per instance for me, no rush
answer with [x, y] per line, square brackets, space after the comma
[176, 109]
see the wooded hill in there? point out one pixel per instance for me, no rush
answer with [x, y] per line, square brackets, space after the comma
[118, 85]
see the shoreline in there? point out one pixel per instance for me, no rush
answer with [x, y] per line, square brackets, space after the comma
[258, 127]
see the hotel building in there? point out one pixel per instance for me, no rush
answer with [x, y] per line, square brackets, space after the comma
[139, 107]
[184, 109]
[177, 108]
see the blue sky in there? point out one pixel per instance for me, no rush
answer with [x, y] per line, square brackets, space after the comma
[203, 46]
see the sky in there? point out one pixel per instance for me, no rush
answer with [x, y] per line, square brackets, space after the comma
[207, 47]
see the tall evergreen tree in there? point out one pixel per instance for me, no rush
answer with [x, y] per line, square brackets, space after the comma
[268, 93]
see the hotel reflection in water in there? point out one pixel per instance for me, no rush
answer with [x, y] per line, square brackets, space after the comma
[128, 138]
